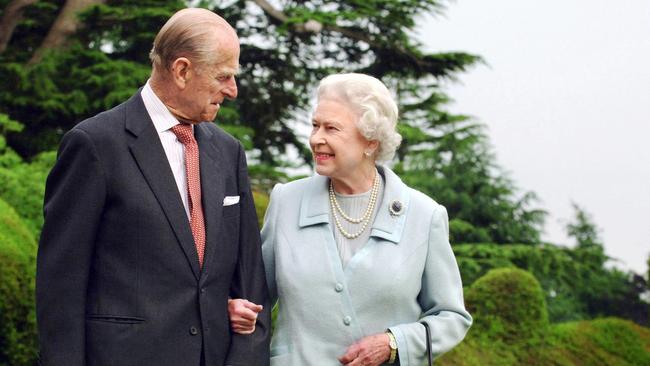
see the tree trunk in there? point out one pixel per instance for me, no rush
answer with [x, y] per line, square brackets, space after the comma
[66, 24]
[10, 18]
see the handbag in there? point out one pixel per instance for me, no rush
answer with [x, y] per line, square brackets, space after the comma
[428, 338]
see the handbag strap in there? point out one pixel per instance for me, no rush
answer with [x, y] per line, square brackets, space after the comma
[428, 338]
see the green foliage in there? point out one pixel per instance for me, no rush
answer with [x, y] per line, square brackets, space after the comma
[17, 313]
[607, 342]
[510, 329]
[261, 203]
[463, 232]
[66, 87]
[22, 185]
[583, 229]
[575, 286]
[611, 292]
[458, 171]
[508, 304]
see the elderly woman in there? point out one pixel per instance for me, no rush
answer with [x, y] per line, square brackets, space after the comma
[357, 259]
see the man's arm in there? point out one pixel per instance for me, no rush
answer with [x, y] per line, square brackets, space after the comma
[249, 281]
[74, 200]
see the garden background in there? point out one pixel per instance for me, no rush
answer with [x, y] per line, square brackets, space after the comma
[534, 302]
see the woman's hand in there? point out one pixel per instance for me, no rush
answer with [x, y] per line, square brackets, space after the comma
[368, 351]
[243, 315]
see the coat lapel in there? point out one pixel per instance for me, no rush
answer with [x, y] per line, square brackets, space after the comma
[149, 154]
[386, 225]
[212, 188]
[314, 207]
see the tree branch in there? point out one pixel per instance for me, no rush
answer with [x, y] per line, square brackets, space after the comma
[65, 25]
[312, 26]
[10, 17]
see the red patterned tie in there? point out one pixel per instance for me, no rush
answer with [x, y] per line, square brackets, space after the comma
[185, 135]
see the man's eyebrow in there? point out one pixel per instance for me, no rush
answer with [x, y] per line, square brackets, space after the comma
[229, 71]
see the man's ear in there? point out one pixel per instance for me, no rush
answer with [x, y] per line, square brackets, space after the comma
[181, 72]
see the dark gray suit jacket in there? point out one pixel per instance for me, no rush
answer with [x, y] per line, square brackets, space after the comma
[118, 278]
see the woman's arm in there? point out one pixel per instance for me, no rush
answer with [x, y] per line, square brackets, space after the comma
[441, 299]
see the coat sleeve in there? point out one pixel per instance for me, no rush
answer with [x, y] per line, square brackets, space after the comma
[268, 241]
[74, 201]
[441, 299]
[249, 281]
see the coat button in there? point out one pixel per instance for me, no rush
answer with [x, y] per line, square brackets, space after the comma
[347, 320]
[203, 291]
[338, 287]
[194, 331]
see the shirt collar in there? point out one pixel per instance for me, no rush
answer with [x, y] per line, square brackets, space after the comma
[162, 118]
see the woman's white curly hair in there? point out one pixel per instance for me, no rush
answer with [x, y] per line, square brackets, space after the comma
[374, 105]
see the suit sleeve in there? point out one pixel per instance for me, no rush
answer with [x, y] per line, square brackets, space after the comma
[441, 299]
[249, 280]
[74, 199]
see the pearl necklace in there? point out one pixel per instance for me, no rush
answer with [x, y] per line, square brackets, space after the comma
[365, 219]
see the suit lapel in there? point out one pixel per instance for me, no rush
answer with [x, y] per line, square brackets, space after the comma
[149, 154]
[212, 188]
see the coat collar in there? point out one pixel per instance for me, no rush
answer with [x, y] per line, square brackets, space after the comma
[314, 207]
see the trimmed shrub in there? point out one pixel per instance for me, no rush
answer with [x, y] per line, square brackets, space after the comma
[17, 268]
[508, 304]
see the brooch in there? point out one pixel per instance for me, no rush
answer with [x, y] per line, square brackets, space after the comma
[396, 208]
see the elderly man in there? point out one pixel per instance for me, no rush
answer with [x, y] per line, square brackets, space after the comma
[149, 221]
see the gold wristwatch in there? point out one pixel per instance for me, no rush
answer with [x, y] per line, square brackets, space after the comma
[393, 347]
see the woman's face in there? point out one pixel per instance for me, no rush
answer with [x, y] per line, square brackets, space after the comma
[336, 144]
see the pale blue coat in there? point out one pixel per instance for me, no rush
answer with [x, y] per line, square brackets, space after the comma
[404, 275]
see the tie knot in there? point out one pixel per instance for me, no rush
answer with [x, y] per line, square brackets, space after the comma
[184, 133]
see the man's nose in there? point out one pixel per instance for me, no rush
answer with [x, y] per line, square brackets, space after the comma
[230, 91]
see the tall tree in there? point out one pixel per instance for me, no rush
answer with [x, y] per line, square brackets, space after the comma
[287, 46]
[607, 291]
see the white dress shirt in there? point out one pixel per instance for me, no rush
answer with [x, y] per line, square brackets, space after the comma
[163, 121]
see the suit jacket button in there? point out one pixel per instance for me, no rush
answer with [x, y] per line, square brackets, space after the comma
[194, 331]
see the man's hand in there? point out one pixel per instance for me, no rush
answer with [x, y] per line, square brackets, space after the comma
[243, 315]
[368, 351]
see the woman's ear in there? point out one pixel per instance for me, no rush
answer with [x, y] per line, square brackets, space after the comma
[371, 147]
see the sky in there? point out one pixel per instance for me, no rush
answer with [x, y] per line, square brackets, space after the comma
[565, 95]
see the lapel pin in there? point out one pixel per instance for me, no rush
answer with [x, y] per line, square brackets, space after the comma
[396, 208]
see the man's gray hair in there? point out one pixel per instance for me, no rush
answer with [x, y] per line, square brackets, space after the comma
[373, 104]
[189, 33]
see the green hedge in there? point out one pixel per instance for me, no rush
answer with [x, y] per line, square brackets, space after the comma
[511, 328]
[17, 271]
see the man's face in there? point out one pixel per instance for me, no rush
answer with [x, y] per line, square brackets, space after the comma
[209, 85]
